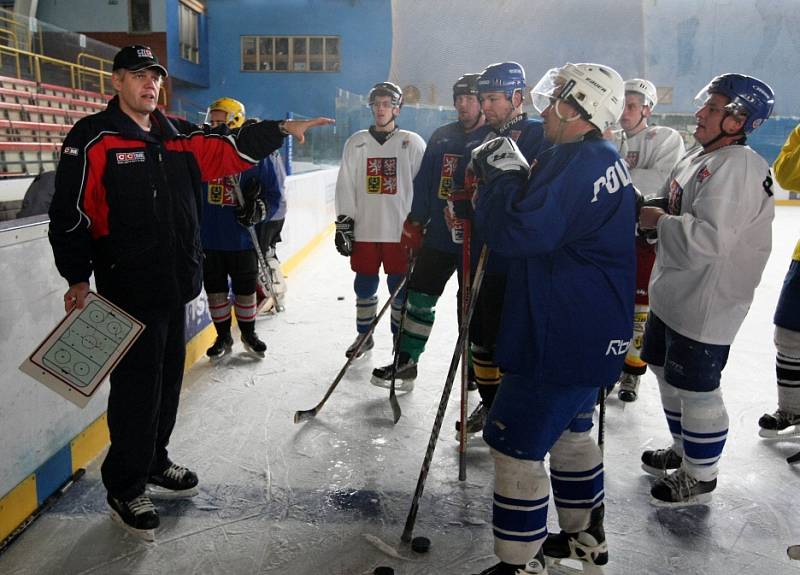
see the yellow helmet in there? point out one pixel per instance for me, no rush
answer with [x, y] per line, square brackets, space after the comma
[234, 111]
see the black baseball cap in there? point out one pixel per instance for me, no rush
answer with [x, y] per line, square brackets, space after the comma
[135, 58]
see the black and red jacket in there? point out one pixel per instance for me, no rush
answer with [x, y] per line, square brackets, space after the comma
[127, 202]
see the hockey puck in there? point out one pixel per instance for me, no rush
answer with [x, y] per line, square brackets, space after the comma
[383, 570]
[420, 544]
[340, 298]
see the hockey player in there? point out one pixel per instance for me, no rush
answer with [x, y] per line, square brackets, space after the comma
[373, 197]
[650, 153]
[126, 209]
[500, 88]
[786, 419]
[713, 243]
[228, 247]
[425, 232]
[566, 226]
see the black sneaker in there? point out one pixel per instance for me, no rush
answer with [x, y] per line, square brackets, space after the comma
[779, 424]
[175, 482]
[659, 462]
[253, 345]
[222, 347]
[504, 568]
[588, 546]
[368, 345]
[680, 489]
[404, 377]
[138, 515]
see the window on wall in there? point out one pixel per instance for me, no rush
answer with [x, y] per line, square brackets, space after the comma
[139, 15]
[290, 54]
[189, 30]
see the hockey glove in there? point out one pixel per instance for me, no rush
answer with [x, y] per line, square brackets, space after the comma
[497, 157]
[345, 234]
[411, 238]
[251, 189]
[651, 235]
[251, 213]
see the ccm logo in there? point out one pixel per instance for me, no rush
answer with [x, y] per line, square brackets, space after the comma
[618, 347]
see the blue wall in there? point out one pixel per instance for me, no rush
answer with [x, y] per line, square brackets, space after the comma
[180, 69]
[364, 29]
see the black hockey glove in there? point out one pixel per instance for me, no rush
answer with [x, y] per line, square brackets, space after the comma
[497, 157]
[251, 189]
[649, 202]
[251, 213]
[345, 234]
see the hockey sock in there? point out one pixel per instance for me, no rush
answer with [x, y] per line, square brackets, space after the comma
[519, 513]
[392, 281]
[223, 327]
[219, 307]
[633, 360]
[420, 315]
[671, 403]
[705, 428]
[787, 368]
[244, 307]
[365, 287]
[487, 374]
[576, 474]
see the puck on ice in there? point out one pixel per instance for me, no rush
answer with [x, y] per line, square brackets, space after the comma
[420, 544]
[340, 298]
[383, 570]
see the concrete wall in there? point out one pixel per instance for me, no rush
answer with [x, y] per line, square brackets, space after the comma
[36, 423]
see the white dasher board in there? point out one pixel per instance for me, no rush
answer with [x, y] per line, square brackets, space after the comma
[82, 349]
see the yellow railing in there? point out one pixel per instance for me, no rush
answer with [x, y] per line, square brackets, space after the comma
[77, 72]
[102, 64]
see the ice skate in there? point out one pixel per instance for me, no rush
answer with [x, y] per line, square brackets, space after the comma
[404, 377]
[779, 424]
[368, 345]
[586, 549]
[475, 422]
[137, 516]
[175, 482]
[222, 347]
[537, 565]
[659, 462]
[628, 387]
[505, 569]
[679, 489]
[253, 345]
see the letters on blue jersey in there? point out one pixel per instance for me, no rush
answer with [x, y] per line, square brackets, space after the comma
[382, 176]
[616, 178]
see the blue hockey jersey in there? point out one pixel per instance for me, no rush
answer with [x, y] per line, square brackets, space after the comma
[442, 170]
[568, 236]
[219, 230]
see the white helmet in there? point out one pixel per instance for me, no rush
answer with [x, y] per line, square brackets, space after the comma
[596, 90]
[644, 87]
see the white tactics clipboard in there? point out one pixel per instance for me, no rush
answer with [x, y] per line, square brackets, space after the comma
[82, 349]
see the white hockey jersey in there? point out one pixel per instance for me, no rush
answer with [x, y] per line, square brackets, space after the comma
[375, 183]
[650, 155]
[712, 251]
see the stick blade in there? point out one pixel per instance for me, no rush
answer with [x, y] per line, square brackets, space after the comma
[396, 411]
[304, 415]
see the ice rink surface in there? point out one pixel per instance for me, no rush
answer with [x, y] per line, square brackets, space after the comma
[313, 498]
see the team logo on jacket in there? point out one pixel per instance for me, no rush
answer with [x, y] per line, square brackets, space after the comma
[382, 176]
[632, 158]
[70, 151]
[449, 164]
[130, 157]
[674, 198]
[703, 174]
[221, 192]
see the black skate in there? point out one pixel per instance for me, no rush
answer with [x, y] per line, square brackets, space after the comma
[628, 387]
[222, 347]
[368, 345]
[404, 377]
[175, 482]
[137, 516]
[475, 422]
[587, 547]
[503, 568]
[253, 345]
[779, 424]
[537, 565]
[659, 462]
[679, 489]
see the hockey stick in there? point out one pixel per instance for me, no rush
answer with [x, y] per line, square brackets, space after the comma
[303, 415]
[465, 300]
[263, 266]
[463, 330]
[601, 420]
[396, 412]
